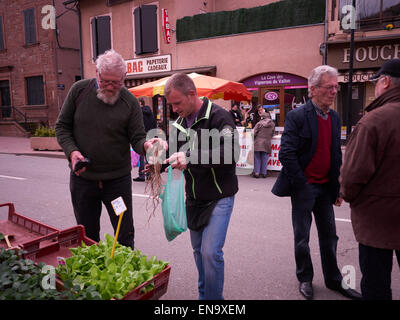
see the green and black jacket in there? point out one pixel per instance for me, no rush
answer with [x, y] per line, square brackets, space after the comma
[213, 176]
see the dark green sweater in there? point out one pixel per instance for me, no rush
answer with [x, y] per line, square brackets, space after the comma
[101, 132]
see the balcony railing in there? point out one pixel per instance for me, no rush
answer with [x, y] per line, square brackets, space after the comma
[11, 113]
[379, 23]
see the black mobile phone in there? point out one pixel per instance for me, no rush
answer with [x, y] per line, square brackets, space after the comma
[81, 164]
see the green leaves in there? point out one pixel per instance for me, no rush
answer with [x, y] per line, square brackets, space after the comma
[43, 131]
[112, 277]
[21, 279]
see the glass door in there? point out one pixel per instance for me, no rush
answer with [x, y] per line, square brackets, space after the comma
[271, 98]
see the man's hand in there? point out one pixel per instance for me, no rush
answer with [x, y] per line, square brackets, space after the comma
[177, 161]
[155, 149]
[149, 144]
[338, 202]
[76, 156]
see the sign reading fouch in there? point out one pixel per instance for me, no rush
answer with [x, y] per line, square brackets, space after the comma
[148, 65]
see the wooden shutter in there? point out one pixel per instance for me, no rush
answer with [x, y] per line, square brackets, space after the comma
[110, 3]
[30, 28]
[101, 35]
[149, 29]
[1, 34]
[138, 31]
[146, 35]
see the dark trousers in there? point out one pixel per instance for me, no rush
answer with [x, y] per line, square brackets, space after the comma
[87, 198]
[376, 268]
[314, 198]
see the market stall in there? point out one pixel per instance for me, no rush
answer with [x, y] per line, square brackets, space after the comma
[210, 87]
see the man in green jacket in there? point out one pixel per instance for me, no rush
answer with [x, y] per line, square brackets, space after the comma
[210, 175]
[99, 121]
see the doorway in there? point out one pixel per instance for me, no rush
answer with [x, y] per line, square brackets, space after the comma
[271, 98]
[357, 103]
[5, 99]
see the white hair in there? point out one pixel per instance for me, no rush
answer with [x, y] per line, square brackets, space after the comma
[111, 61]
[316, 74]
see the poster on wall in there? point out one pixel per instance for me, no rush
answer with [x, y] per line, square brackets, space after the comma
[245, 163]
[273, 160]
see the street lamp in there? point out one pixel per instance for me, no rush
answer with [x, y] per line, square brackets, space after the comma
[350, 85]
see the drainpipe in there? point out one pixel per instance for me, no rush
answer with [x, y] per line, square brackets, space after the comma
[325, 47]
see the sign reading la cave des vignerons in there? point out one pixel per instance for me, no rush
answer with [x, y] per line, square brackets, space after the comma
[148, 65]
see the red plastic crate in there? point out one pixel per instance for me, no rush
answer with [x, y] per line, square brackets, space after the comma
[25, 229]
[73, 237]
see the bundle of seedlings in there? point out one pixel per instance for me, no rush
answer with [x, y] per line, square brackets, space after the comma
[154, 183]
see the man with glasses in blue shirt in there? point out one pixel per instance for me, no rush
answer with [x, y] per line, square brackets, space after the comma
[99, 121]
[311, 158]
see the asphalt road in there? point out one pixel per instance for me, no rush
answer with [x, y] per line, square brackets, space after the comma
[259, 262]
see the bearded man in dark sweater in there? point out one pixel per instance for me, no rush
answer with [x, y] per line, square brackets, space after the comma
[311, 158]
[99, 121]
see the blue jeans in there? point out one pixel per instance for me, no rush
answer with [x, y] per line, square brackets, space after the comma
[260, 162]
[315, 198]
[207, 249]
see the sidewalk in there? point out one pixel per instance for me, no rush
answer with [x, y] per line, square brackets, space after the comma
[22, 146]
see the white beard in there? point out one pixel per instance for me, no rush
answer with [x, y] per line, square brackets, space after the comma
[108, 100]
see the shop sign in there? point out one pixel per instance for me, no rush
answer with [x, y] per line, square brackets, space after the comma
[271, 96]
[373, 53]
[357, 77]
[148, 65]
[166, 26]
[368, 54]
[274, 79]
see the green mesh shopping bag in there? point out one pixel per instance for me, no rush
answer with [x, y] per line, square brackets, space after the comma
[173, 206]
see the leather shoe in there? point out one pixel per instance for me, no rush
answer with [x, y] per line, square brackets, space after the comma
[306, 290]
[139, 179]
[348, 293]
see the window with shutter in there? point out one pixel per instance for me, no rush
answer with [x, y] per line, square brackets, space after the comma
[1, 34]
[146, 35]
[101, 35]
[35, 90]
[30, 26]
[110, 3]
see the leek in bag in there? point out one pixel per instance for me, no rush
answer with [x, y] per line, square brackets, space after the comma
[173, 206]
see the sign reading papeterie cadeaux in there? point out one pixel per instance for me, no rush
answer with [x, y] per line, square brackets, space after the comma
[149, 65]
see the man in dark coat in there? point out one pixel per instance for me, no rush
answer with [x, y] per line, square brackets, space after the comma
[370, 183]
[311, 158]
[149, 123]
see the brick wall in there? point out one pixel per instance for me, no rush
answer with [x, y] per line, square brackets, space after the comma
[37, 59]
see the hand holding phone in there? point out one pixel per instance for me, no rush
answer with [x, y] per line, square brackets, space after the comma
[80, 164]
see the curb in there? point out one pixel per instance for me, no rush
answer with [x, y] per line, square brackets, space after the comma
[46, 155]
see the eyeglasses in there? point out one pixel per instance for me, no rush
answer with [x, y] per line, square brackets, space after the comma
[378, 79]
[329, 88]
[114, 83]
